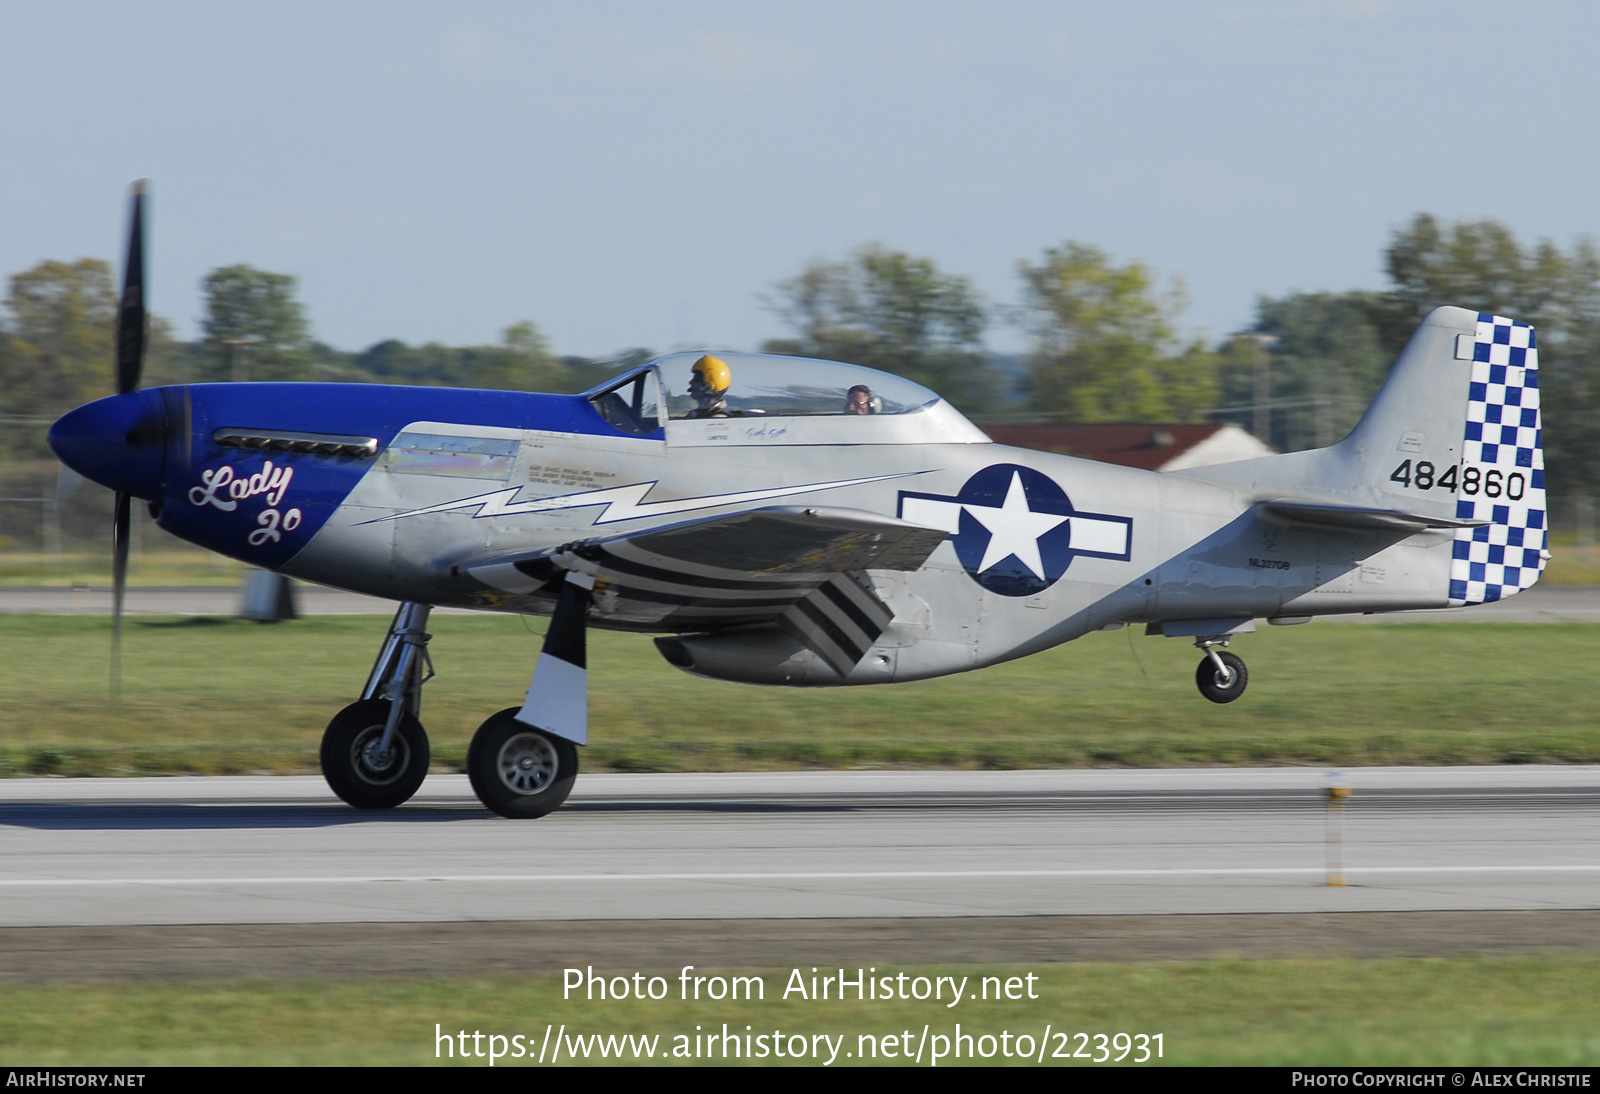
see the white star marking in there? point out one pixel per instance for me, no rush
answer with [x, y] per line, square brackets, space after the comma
[1014, 529]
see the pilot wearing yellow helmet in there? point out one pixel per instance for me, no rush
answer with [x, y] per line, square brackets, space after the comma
[709, 381]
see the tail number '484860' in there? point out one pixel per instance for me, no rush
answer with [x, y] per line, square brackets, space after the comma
[1491, 482]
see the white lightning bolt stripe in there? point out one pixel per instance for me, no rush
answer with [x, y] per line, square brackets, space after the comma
[624, 502]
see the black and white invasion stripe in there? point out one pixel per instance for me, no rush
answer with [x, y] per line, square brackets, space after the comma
[839, 620]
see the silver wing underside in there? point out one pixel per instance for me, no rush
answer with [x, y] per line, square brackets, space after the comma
[800, 569]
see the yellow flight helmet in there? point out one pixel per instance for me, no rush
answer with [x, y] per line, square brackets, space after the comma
[713, 374]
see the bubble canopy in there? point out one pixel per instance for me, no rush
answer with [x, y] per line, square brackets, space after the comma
[772, 398]
[763, 384]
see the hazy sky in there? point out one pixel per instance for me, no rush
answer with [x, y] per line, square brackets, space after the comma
[631, 174]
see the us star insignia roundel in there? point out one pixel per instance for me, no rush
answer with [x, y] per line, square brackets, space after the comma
[1015, 530]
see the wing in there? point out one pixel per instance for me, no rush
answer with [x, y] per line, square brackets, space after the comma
[798, 568]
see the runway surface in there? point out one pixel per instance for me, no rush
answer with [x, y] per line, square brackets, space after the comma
[852, 845]
[1541, 604]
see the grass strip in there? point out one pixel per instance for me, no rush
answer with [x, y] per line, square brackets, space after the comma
[220, 696]
[1499, 1011]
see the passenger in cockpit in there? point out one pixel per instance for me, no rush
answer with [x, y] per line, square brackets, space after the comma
[709, 381]
[858, 400]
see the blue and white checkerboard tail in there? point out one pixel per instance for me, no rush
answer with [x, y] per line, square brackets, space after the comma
[1502, 468]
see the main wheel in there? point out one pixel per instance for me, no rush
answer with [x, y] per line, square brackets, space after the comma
[517, 770]
[361, 774]
[1211, 682]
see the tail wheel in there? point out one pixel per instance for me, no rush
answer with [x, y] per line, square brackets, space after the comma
[517, 770]
[357, 767]
[1220, 687]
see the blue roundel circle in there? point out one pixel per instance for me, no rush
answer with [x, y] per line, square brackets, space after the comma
[1015, 537]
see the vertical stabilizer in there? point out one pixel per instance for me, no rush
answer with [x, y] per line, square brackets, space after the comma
[1455, 433]
[1453, 436]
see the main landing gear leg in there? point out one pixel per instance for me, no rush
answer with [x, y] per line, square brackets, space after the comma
[375, 751]
[523, 760]
[1221, 676]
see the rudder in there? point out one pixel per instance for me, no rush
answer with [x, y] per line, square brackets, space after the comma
[1502, 468]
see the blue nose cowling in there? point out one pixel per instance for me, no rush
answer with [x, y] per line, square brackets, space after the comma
[119, 442]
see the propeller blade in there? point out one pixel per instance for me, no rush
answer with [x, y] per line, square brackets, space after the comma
[121, 523]
[130, 312]
[130, 364]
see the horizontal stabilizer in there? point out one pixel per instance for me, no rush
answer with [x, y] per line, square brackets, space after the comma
[1362, 518]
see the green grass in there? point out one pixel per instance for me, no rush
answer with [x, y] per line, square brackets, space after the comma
[170, 563]
[206, 695]
[1503, 1011]
[1571, 563]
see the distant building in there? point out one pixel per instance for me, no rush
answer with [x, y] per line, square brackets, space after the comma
[1152, 447]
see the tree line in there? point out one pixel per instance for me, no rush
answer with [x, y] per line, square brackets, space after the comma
[1105, 340]
[58, 318]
